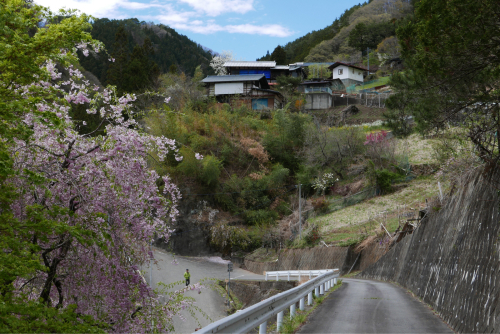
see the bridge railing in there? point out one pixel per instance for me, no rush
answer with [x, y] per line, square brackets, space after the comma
[295, 273]
[257, 315]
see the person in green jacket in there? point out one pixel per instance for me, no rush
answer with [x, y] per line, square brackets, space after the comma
[187, 276]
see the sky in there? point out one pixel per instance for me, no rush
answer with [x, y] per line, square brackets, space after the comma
[248, 28]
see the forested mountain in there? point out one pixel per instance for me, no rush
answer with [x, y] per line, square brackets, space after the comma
[299, 49]
[170, 50]
[363, 25]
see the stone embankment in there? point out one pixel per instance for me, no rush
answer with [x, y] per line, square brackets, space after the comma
[253, 292]
[452, 260]
[342, 258]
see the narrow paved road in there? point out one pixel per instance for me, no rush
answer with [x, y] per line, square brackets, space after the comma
[364, 306]
[210, 301]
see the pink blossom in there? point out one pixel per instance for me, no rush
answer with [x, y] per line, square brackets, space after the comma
[108, 190]
[198, 156]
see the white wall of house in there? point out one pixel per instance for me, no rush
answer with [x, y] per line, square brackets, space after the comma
[343, 72]
[229, 88]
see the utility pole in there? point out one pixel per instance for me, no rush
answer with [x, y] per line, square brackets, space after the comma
[368, 56]
[300, 213]
[229, 269]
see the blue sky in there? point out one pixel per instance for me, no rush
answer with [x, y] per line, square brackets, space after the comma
[248, 28]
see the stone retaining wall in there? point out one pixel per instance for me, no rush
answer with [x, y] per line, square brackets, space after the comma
[309, 258]
[452, 260]
[253, 292]
[371, 254]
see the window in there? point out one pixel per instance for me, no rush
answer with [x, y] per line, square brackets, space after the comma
[341, 71]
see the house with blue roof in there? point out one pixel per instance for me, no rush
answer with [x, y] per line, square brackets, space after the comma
[251, 90]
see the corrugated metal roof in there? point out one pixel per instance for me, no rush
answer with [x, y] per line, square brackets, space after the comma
[250, 64]
[281, 67]
[233, 78]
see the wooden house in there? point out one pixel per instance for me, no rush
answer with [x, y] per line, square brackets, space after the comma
[250, 89]
[269, 68]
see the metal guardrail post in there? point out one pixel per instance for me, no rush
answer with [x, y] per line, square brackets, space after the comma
[277, 277]
[322, 289]
[266, 275]
[310, 275]
[259, 314]
[288, 276]
[263, 328]
[279, 321]
[335, 281]
[299, 276]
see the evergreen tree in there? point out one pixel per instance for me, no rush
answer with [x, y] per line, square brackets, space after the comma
[141, 72]
[450, 49]
[117, 68]
[279, 55]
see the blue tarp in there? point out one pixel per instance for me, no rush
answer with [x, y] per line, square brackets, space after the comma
[267, 73]
[259, 104]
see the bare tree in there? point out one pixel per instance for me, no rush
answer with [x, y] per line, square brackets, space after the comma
[334, 148]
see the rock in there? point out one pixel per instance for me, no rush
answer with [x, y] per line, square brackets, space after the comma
[351, 110]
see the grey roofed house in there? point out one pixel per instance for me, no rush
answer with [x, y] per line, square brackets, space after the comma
[256, 64]
[268, 68]
[258, 79]
[249, 89]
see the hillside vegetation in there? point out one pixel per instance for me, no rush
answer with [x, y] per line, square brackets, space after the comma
[298, 50]
[170, 50]
[361, 26]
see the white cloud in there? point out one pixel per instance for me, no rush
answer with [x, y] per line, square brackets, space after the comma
[98, 8]
[171, 13]
[273, 30]
[109, 8]
[217, 7]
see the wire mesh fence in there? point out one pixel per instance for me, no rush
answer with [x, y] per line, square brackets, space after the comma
[403, 163]
[377, 100]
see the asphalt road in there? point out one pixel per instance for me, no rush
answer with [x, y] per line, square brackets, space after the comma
[210, 301]
[364, 306]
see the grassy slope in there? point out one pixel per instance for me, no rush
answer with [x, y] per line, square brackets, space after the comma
[379, 82]
[353, 223]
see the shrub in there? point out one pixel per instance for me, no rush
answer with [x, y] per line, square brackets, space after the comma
[262, 216]
[320, 205]
[211, 169]
[311, 235]
[381, 178]
[225, 237]
[189, 166]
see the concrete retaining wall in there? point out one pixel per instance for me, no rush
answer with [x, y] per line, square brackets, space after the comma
[309, 258]
[315, 101]
[253, 292]
[452, 260]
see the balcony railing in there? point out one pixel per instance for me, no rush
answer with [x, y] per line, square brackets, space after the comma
[317, 90]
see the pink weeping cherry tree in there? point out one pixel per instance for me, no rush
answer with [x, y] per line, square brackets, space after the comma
[104, 204]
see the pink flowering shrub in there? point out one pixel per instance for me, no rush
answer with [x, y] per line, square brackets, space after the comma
[381, 150]
[103, 202]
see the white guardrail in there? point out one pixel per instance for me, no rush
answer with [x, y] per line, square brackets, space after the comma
[296, 273]
[257, 315]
